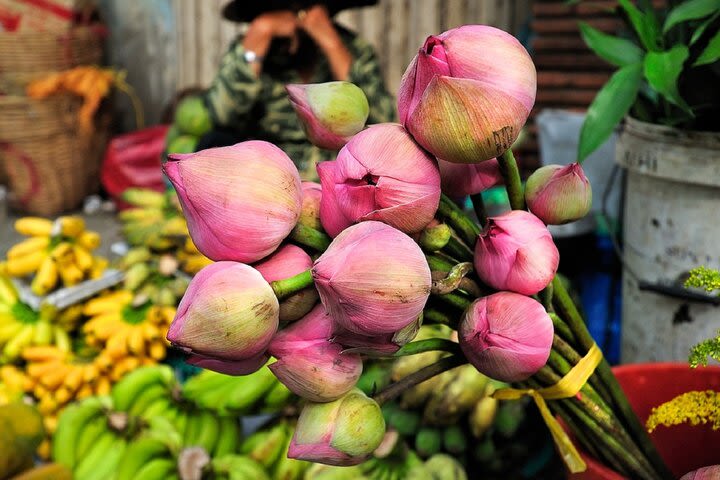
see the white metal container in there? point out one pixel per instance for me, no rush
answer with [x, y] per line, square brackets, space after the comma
[671, 225]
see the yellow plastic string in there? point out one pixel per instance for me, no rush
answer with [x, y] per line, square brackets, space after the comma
[566, 387]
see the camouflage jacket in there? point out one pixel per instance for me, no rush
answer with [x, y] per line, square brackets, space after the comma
[258, 108]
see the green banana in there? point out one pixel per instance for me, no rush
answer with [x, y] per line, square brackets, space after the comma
[229, 438]
[108, 464]
[131, 386]
[428, 441]
[159, 407]
[405, 422]
[157, 469]
[509, 416]
[266, 446]
[444, 467]
[70, 424]
[245, 395]
[89, 435]
[193, 430]
[136, 255]
[209, 430]
[147, 397]
[318, 471]
[141, 197]
[239, 467]
[166, 297]
[276, 398]
[288, 468]
[139, 453]
[92, 460]
[181, 419]
[482, 416]
[160, 428]
[135, 275]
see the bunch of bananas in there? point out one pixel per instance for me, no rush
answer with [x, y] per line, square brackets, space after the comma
[153, 392]
[123, 330]
[155, 277]
[259, 392]
[56, 378]
[57, 252]
[155, 220]
[190, 258]
[21, 326]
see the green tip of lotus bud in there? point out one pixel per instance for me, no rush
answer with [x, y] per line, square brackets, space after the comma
[341, 106]
[361, 428]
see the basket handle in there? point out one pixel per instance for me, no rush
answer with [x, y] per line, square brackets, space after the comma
[27, 162]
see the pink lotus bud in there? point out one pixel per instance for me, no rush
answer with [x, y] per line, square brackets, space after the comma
[506, 336]
[240, 201]
[239, 367]
[373, 279]
[286, 262]
[379, 345]
[228, 313]
[705, 473]
[516, 252]
[309, 364]
[458, 179]
[331, 112]
[310, 213]
[381, 174]
[479, 77]
[558, 194]
[342, 432]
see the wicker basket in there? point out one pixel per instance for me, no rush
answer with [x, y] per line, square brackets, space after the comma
[27, 52]
[51, 165]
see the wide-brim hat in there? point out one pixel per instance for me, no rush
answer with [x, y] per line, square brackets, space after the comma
[247, 10]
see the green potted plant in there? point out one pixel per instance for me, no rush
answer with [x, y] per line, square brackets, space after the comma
[666, 91]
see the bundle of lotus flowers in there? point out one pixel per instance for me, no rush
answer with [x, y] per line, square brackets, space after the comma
[385, 249]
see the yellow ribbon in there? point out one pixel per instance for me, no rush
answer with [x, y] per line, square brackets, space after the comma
[566, 387]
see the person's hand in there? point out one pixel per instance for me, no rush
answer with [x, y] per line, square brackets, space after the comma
[318, 25]
[280, 23]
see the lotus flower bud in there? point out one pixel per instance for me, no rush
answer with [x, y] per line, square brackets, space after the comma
[239, 367]
[341, 432]
[479, 77]
[240, 201]
[378, 345]
[705, 473]
[558, 194]
[229, 313]
[286, 262]
[309, 364]
[516, 252]
[373, 279]
[310, 213]
[458, 180]
[330, 113]
[506, 336]
[381, 174]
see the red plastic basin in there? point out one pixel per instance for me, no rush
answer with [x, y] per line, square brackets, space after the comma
[683, 447]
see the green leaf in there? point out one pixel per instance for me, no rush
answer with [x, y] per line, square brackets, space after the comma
[610, 105]
[662, 70]
[645, 25]
[690, 10]
[701, 29]
[618, 51]
[711, 52]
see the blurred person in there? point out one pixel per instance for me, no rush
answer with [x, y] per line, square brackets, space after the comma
[288, 41]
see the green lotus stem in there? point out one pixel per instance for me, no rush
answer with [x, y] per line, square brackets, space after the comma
[432, 315]
[438, 264]
[562, 366]
[545, 297]
[443, 365]
[572, 357]
[458, 250]
[565, 306]
[309, 237]
[561, 327]
[287, 286]
[456, 218]
[513, 184]
[479, 207]
[452, 281]
[429, 345]
[454, 299]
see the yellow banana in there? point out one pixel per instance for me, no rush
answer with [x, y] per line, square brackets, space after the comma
[195, 263]
[83, 258]
[62, 339]
[25, 265]
[27, 246]
[23, 338]
[71, 274]
[8, 293]
[89, 240]
[115, 301]
[100, 264]
[34, 226]
[46, 277]
[43, 353]
[71, 226]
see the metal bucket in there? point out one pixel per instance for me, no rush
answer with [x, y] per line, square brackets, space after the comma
[671, 225]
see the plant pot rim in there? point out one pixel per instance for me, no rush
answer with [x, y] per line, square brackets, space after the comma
[665, 133]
